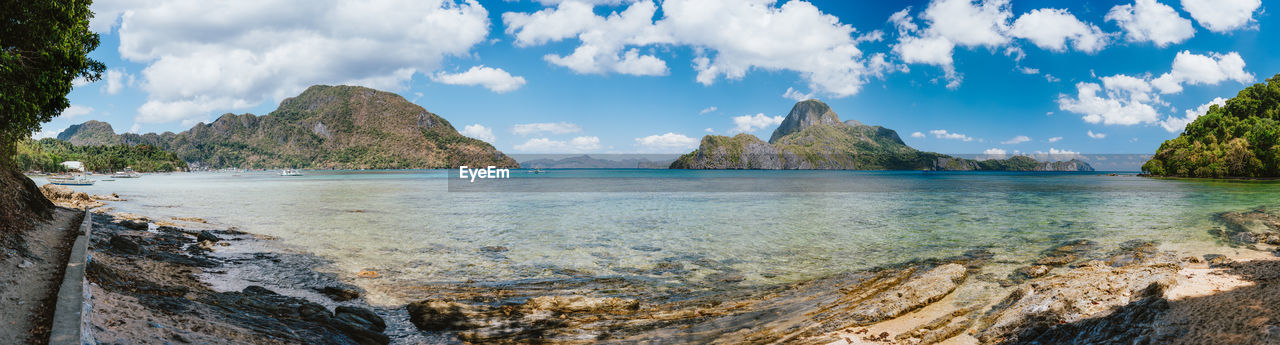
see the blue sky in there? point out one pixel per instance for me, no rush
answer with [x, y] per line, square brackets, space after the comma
[624, 76]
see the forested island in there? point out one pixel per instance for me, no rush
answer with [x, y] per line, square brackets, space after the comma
[1235, 140]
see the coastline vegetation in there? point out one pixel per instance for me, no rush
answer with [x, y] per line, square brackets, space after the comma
[1236, 140]
[48, 154]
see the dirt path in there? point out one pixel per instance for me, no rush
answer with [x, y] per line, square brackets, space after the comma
[29, 285]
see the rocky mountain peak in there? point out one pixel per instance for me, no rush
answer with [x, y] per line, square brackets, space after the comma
[90, 132]
[803, 115]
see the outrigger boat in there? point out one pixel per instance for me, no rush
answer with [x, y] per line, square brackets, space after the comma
[126, 173]
[71, 180]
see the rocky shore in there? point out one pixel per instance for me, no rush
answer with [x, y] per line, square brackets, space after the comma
[184, 281]
[150, 285]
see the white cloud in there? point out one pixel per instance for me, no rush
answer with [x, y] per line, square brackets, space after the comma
[206, 56]
[545, 127]
[575, 145]
[994, 153]
[943, 134]
[795, 95]
[479, 132]
[76, 110]
[1056, 155]
[594, 2]
[1129, 100]
[1222, 15]
[666, 143]
[1149, 20]
[1054, 139]
[707, 110]
[729, 38]
[1114, 107]
[117, 79]
[494, 79]
[1050, 29]
[1050, 78]
[1016, 140]
[1198, 69]
[951, 23]
[1028, 70]
[752, 123]
[709, 130]
[1096, 135]
[1177, 124]
[917, 135]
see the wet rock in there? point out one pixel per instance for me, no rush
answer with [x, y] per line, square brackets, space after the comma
[438, 315]
[646, 248]
[581, 304]
[364, 318]
[125, 245]
[1244, 237]
[1217, 260]
[1035, 271]
[133, 224]
[340, 293]
[1192, 260]
[1270, 237]
[1065, 253]
[726, 277]
[494, 249]
[207, 236]
[268, 312]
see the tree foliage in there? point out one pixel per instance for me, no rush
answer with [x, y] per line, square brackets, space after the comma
[48, 154]
[43, 48]
[1237, 139]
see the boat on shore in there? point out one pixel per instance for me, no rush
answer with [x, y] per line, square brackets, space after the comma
[126, 173]
[290, 172]
[79, 180]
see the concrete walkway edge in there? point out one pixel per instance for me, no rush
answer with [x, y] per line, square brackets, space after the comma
[70, 316]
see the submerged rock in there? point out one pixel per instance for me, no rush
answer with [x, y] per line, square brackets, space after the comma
[581, 304]
[207, 236]
[125, 245]
[340, 293]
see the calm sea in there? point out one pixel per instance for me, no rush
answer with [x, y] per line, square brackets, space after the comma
[767, 227]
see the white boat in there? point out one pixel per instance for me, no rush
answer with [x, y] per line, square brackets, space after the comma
[126, 173]
[290, 172]
[71, 180]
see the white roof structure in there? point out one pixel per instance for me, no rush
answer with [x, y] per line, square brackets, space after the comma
[73, 165]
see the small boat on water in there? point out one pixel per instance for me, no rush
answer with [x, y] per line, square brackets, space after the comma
[126, 173]
[71, 180]
[290, 172]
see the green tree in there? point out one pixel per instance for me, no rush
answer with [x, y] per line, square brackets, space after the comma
[44, 46]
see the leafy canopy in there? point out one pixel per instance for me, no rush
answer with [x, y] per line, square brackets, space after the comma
[43, 48]
[1238, 139]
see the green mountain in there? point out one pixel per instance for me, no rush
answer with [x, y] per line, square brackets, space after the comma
[812, 137]
[90, 133]
[1238, 139]
[341, 127]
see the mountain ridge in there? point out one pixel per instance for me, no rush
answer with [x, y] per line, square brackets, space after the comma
[812, 137]
[324, 127]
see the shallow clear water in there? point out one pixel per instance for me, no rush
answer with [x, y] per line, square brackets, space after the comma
[408, 226]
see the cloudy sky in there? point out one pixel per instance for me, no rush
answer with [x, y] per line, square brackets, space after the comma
[620, 76]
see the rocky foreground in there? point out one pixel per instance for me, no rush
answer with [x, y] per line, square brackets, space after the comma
[164, 284]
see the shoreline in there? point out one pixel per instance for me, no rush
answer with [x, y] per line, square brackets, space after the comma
[251, 260]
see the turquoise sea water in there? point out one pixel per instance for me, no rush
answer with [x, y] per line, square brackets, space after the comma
[411, 228]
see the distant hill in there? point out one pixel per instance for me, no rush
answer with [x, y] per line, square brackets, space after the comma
[813, 137]
[90, 133]
[1237, 139]
[340, 127]
[588, 162]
